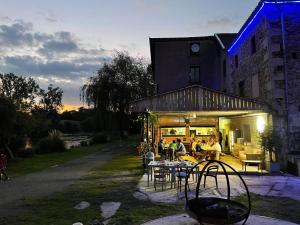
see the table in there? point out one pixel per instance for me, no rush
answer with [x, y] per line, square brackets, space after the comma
[245, 162]
[171, 165]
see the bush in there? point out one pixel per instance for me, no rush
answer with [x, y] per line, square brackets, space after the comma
[52, 143]
[26, 153]
[101, 138]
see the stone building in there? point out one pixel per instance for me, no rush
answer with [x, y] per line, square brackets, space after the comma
[242, 79]
[264, 63]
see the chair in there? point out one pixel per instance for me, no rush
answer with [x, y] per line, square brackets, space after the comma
[181, 174]
[212, 171]
[160, 177]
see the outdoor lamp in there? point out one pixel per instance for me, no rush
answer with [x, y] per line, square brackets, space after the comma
[260, 124]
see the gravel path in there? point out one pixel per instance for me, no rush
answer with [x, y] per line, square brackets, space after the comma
[51, 180]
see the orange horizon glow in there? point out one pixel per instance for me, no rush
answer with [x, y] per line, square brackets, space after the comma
[69, 107]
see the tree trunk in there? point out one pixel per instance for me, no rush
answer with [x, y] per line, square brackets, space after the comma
[11, 155]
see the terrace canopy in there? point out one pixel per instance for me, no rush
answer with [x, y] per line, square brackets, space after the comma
[196, 112]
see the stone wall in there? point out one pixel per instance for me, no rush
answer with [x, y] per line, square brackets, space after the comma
[267, 65]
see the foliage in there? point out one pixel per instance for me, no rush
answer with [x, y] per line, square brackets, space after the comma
[117, 84]
[51, 99]
[26, 153]
[21, 90]
[269, 141]
[52, 143]
[101, 138]
[7, 117]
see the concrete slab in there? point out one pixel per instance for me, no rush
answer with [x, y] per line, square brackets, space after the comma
[184, 219]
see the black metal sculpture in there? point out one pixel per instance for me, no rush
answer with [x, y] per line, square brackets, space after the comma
[216, 210]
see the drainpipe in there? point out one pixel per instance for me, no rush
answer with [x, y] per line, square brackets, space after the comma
[285, 77]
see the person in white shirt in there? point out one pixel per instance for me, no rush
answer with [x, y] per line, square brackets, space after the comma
[217, 147]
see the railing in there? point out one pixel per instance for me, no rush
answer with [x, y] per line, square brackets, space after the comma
[195, 98]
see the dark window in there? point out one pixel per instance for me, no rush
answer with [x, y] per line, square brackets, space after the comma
[224, 90]
[294, 55]
[236, 61]
[253, 45]
[224, 69]
[278, 69]
[242, 88]
[195, 74]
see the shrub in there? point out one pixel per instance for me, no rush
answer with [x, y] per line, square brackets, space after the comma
[52, 143]
[26, 153]
[101, 138]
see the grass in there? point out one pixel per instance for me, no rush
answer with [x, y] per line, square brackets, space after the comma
[275, 207]
[23, 166]
[115, 181]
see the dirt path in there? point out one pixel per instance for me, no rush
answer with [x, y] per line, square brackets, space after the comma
[51, 180]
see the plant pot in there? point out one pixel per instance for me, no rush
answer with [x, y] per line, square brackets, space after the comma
[273, 167]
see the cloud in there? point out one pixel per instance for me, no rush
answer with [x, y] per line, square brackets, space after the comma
[16, 34]
[60, 42]
[60, 58]
[5, 19]
[29, 65]
[220, 22]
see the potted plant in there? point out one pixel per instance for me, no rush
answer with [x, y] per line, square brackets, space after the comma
[270, 144]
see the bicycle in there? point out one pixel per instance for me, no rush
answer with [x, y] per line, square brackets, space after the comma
[3, 164]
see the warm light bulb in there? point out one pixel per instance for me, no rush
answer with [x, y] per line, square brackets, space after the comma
[260, 124]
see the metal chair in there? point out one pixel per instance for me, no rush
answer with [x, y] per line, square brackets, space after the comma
[160, 177]
[181, 174]
[212, 171]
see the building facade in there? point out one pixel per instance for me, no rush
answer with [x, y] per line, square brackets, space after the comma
[237, 79]
[264, 63]
[180, 62]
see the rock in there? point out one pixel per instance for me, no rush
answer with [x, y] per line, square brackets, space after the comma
[96, 222]
[78, 223]
[109, 209]
[82, 205]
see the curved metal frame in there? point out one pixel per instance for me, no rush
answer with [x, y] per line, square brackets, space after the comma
[222, 164]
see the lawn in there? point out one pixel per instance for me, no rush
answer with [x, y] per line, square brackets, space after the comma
[275, 207]
[115, 181]
[23, 166]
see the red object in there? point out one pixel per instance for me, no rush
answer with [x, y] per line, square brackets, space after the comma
[3, 162]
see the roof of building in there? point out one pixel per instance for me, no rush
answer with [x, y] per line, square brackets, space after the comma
[253, 15]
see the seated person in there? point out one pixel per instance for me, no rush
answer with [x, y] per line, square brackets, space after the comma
[217, 148]
[200, 153]
[161, 147]
[172, 149]
[180, 149]
[194, 143]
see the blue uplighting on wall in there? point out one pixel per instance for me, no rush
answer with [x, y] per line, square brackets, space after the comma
[265, 7]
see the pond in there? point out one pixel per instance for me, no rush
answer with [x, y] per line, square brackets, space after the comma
[74, 140]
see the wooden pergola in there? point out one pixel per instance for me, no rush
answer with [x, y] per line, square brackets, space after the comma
[199, 101]
[196, 98]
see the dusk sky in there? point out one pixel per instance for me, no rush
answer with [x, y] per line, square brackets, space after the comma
[64, 42]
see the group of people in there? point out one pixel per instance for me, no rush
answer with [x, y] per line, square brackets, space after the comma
[174, 151]
[200, 149]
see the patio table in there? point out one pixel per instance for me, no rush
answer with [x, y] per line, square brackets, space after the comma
[171, 165]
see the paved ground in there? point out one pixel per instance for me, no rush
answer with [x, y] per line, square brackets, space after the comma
[184, 219]
[279, 186]
[51, 180]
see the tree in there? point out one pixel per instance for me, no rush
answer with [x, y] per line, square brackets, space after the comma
[51, 99]
[21, 90]
[124, 80]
